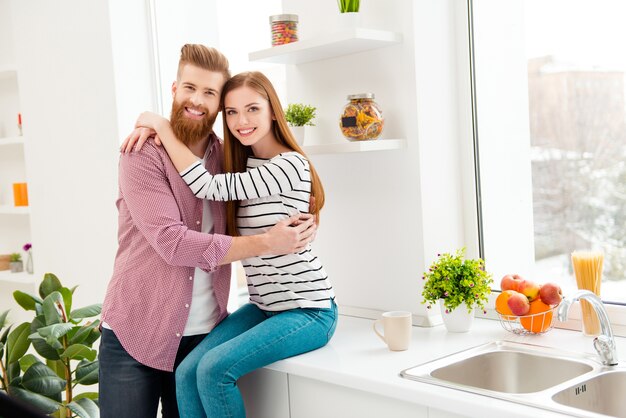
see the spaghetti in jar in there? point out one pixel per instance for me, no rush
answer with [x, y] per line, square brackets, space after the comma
[362, 118]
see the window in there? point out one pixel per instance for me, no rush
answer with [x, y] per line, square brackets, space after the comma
[550, 92]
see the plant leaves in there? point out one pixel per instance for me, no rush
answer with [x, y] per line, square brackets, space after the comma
[55, 331]
[84, 408]
[44, 349]
[13, 372]
[49, 284]
[67, 298]
[92, 337]
[51, 308]
[91, 395]
[26, 301]
[46, 405]
[27, 361]
[87, 372]
[83, 332]
[41, 379]
[5, 334]
[18, 342]
[79, 352]
[3, 317]
[58, 366]
[86, 312]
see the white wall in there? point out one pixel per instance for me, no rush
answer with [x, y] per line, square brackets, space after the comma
[388, 213]
[67, 93]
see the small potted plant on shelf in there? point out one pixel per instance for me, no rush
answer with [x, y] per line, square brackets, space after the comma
[460, 285]
[16, 263]
[299, 116]
[348, 6]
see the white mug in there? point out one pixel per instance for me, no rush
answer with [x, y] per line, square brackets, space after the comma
[397, 326]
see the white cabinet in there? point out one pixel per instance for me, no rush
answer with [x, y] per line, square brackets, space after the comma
[334, 45]
[265, 394]
[310, 398]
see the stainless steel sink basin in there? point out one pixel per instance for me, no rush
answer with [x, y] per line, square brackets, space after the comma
[510, 371]
[502, 367]
[542, 377]
[602, 394]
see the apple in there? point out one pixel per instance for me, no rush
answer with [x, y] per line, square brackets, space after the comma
[550, 294]
[529, 289]
[510, 282]
[518, 304]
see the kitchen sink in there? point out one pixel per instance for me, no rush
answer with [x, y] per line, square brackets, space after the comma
[602, 394]
[571, 383]
[502, 367]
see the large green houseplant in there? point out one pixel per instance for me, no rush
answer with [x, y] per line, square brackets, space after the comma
[63, 340]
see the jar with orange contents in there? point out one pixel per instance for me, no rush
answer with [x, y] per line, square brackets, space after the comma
[362, 118]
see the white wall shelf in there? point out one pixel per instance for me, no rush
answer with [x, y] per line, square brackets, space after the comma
[356, 146]
[7, 277]
[12, 140]
[7, 71]
[14, 210]
[331, 45]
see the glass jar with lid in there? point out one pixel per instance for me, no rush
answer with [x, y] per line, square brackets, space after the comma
[284, 29]
[362, 118]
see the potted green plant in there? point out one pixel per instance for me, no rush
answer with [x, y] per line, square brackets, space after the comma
[299, 116]
[348, 6]
[457, 282]
[62, 340]
[15, 263]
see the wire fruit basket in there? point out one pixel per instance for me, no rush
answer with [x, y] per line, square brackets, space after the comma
[538, 323]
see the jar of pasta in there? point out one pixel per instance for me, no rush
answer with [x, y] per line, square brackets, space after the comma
[284, 29]
[362, 118]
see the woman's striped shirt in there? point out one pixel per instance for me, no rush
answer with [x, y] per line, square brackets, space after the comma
[270, 191]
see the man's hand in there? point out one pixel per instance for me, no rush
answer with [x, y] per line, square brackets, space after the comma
[291, 235]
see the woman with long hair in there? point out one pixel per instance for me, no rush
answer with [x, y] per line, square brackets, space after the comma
[268, 178]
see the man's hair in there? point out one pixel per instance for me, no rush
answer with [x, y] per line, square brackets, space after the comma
[204, 57]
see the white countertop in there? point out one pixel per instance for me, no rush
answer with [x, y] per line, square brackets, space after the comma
[357, 358]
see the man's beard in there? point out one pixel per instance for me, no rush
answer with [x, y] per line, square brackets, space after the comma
[191, 131]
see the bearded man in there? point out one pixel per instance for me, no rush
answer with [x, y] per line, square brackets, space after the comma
[171, 276]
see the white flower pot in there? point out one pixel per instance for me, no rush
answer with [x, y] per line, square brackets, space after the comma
[299, 133]
[459, 320]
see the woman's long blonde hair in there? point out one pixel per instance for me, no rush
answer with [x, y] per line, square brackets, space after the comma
[236, 155]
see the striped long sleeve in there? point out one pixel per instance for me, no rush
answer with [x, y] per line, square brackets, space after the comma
[283, 173]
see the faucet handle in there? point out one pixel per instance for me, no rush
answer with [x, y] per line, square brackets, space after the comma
[606, 349]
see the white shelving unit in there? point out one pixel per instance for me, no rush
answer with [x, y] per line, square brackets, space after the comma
[331, 45]
[14, 140]
[14, 210]
[7, 277]
[356, 146]
[7, 71]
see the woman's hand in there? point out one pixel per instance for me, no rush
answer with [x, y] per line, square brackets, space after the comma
[137, 138]
[151, 120]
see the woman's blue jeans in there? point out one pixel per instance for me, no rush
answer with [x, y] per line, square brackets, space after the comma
[246, 340]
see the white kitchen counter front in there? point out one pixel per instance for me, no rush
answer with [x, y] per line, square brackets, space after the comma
[356, 358]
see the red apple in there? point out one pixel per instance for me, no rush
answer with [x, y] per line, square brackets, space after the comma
[518, 304]
[510, 282]
[550, 294]
[529, 289]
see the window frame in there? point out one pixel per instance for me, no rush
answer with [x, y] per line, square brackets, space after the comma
[470, 123]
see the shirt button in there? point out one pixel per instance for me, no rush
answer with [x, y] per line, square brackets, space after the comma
[186, 305]
[190, 277]
[197, 222]
[178, 334]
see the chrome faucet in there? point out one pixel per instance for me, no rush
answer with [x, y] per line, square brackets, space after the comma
[605, 342]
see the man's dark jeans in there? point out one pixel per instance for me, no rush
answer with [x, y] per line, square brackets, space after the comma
[129, 389]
